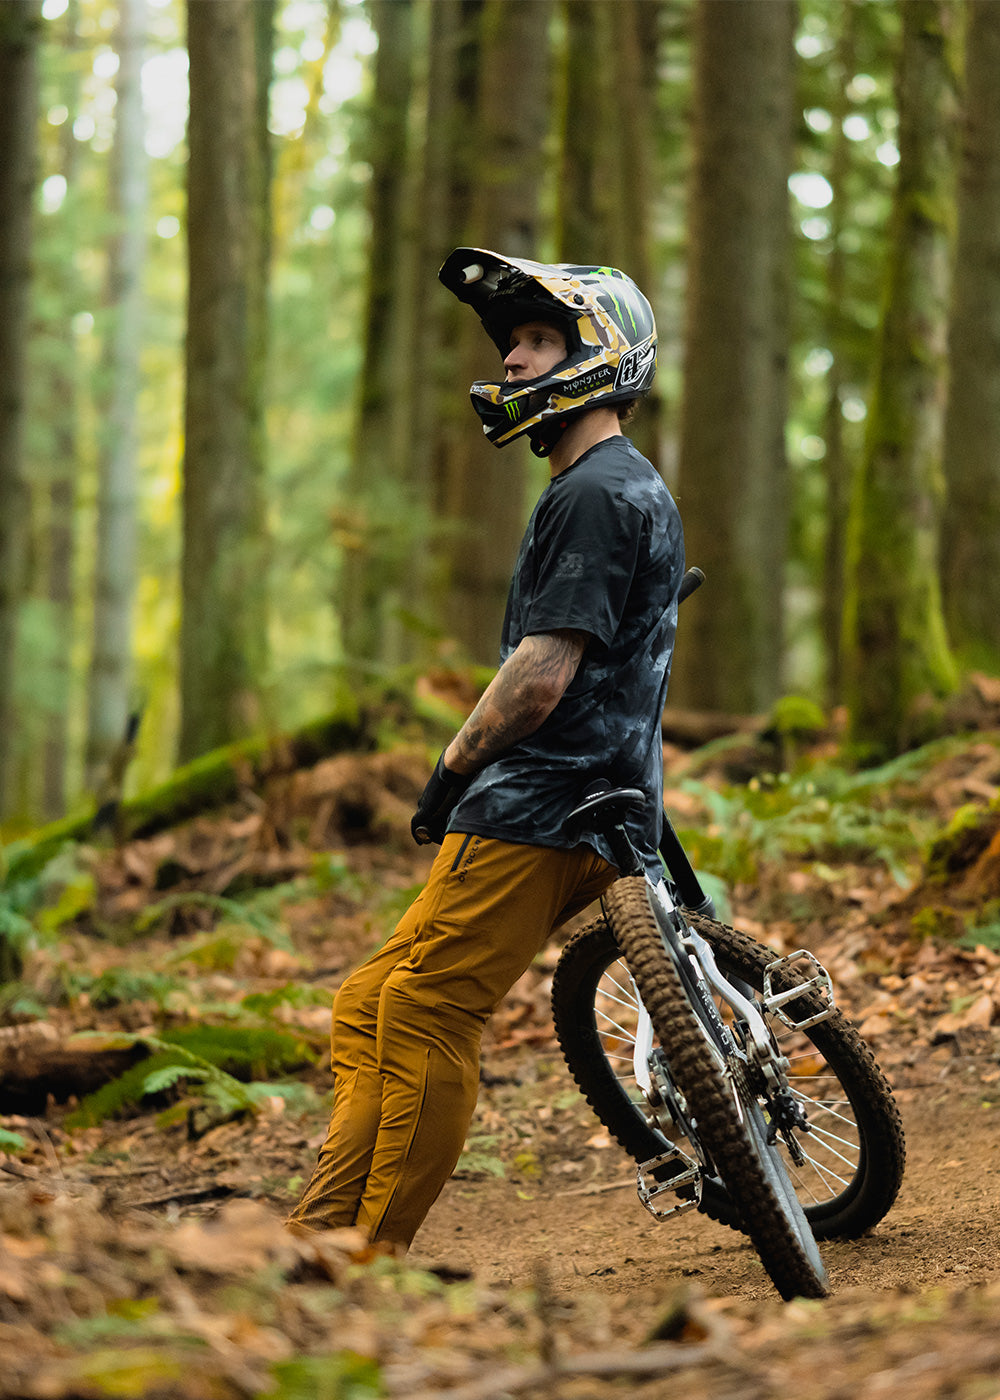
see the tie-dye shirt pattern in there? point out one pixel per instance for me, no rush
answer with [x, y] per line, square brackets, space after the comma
[603, 554]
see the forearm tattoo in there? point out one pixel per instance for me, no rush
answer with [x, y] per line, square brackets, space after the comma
[521, 696]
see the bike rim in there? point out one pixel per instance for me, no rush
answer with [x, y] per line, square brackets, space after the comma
[834, 1151]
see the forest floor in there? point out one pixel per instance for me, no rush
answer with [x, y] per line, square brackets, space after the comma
[144, 1255]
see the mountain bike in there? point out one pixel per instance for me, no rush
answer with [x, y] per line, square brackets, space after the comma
[724, 1070]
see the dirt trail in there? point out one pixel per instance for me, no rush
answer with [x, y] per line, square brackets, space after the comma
[943, 1230]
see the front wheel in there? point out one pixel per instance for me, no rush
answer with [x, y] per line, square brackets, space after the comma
[721, 1114]
[855, 1153]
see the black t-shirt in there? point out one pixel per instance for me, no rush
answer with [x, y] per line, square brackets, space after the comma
[603, 554]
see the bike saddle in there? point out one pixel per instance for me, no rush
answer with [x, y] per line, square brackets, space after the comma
[603, 809]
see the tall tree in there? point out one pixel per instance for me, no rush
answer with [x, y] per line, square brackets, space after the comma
[896, 651]
[608, 178]
[377, 571]
[114, 565]
[970, 552]
[732, 480]
[482, 492]
[43, 783]
[223, 576]
[20, 22]
[447, 133]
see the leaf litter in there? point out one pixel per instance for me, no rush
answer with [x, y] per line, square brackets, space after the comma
[145, 1254]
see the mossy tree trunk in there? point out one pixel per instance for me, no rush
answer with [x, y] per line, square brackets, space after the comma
[835, 463]
[482, 492]
[45, 754]
[223, 576]
[20, 26]
[483, 138]
[384, 507]
[446, 101]
[607, 178]
[970, 553]
[732, 478]
[115, 555]
[896, 652]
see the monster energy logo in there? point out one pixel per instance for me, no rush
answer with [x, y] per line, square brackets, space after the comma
[513, 409]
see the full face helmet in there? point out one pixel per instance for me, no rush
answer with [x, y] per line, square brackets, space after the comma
[609, 329]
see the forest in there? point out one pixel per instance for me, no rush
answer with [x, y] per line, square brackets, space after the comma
[240, 480]
[254, 555]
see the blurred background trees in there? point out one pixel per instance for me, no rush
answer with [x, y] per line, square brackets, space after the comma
[239, 475]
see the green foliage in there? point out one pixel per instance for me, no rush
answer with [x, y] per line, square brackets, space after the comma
[479, 1157]
[242, 914]
[796, 717]
[822, 811]
[985, 930]
[293, 994]
[37, 899]
[172, 1062]
[19, 1002]
[134, 1372]
[344, 1375]
[244, 1051]
[126, 1318]
[116, 986]
[935, 922]
[945, 924]
[11, 1141]
[965, 837]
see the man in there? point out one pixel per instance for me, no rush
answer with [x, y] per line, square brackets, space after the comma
[585, 653]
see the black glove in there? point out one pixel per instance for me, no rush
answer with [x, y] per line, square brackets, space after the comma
[437, 801]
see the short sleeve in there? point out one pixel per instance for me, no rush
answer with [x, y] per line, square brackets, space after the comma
[587, 545]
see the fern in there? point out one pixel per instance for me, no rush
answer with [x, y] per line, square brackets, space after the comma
[245, 914]
[255, 1050]
[173, 1062]
[166, 1077]
[166, 1067]
[820, 812]
[118, 985]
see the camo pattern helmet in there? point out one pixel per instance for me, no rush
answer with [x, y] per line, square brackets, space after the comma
[610, 337]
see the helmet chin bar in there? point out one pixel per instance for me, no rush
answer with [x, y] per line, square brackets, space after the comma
[544, 438]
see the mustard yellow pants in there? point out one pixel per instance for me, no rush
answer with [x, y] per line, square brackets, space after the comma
[407, 1027]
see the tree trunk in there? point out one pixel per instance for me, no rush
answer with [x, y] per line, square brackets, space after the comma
[607, 180]
[587, 192]
[971, 527]
[223, 625]
[382, 505]
[20, 22]
[896, 652]
[732, 482]
[114, 568]
[44, 730]
[482, 491]
[448, 133]
[834, 461]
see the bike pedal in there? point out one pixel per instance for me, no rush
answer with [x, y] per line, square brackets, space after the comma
[775, 1002]
[686, 1177]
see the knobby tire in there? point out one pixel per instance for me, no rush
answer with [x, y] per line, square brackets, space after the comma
[729, 1124]
[874, 1185]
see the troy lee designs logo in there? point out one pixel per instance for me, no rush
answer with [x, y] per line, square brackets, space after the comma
[634, 366]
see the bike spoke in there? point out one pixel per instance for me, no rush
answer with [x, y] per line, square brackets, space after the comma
[828, 1139]
[613, 1026]
[833, 1183]
[828, 1170]
[826, 1107]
